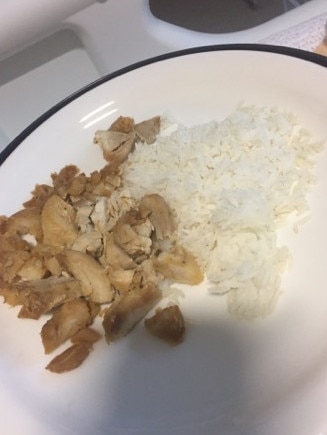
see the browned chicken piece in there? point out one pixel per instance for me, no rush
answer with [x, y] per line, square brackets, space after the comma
[33, 269]
[124, 124]
[91, 275]
[124, 313]
[148, 272]
[103, 182]
[10, 295]
[148, 130]
[107, 211]
[120, 265]
[3, 224]
[121, 279]
[41, 296]
[86, 335]
[58, 222]
[179, 265]
[13, 243]
[133, 234]
[70, 359]
[131, 241]
[26, 221]
[11, 262]
[63, 180]
[47, 254]
[20, 260]
[40, 195]
[68, 319]
[115, 145]
[53, 266]
[110, 174]
[77, 186]
[90, 242]
[115, 257]
[94, 308]
[156, 208]
[84, 210]
[167, 324]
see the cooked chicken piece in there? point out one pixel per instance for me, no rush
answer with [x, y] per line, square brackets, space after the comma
[124, 124]
[111, 175]
[121, 279]
[11, 262]
[83, 208]
[77, 186]
[149, 273]
[41, 296]
[33, 269]
[115, 145]
[53, 266]
[123, 315]
[13, 243]
[133, 234]
[156, 208]
[58, 222]
[167, 324]
[40, 195]
[148, 130]
[70, 359]
[91, 275]
[107, 211]
[99, 216]
[85, 335]
[69, 318]
[94, 308]
[115, 256]
[63, 180]
[46, 254]
[179, 265]
[131, 241]
[3, 224]
[90, 243]
[103, 182]
[9, 294]
[26, 221]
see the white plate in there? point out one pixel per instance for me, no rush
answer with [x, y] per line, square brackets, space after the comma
[229, 377]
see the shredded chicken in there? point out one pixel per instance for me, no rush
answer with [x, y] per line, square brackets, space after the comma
[83, 247]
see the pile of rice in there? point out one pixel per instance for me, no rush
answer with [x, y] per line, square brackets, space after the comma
[232, 184]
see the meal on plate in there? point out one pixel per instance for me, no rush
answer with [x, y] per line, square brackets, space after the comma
[172, 204]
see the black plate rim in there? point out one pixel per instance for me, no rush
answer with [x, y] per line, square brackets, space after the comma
[287, 51]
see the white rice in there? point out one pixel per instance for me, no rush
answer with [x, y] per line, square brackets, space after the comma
[232, 184]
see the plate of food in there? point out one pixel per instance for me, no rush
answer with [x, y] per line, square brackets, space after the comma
[162, 264]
